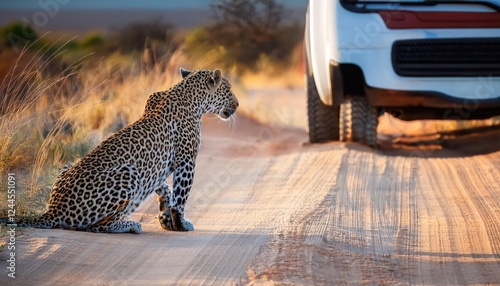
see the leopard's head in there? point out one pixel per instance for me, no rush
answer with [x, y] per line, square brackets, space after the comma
[217, 97]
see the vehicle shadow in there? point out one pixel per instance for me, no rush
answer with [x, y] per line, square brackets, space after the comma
[460, 143]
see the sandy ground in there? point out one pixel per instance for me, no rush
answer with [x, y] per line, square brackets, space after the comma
[269, 209]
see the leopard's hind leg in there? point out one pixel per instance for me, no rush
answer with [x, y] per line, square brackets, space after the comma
[125, 188]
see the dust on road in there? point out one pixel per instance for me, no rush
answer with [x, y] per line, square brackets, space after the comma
[269, 209]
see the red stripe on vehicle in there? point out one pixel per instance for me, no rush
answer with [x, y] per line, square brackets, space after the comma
[402, 19]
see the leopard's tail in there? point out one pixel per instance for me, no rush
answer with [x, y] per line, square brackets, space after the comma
[37, 222]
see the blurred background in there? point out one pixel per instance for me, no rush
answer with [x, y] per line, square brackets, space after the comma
[72, 72]
[242, 35]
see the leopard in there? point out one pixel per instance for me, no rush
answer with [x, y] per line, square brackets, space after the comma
[99, 192]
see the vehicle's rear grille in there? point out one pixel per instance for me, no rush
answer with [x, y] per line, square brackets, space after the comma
[447, 57]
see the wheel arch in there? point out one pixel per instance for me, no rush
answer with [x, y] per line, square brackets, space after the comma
[346, 79]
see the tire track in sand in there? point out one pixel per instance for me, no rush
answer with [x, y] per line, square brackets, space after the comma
[459, 222]
[393, 220]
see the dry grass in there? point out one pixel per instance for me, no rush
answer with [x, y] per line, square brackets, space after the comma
[286, 78]
[269, 74]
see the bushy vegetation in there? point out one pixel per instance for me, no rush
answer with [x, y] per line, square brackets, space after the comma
[134, 36]
[246, 35]
[17, 34]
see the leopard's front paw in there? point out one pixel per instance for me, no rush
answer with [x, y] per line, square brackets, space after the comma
[186, 225]
[179, 222]
[165, 221]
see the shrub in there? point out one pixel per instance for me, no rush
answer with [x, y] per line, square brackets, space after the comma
[93, 41]
[17, 34]
[134, 36]
[244, 32]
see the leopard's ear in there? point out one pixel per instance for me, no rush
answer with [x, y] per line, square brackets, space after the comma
[215, 80]
[184, 72]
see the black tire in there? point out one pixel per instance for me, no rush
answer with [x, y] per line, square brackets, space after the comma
[371, 123]
[358, 121]
[323, 119]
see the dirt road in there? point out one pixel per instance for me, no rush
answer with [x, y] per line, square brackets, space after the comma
[268, 209]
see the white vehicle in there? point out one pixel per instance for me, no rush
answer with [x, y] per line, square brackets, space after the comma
[411, 58]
